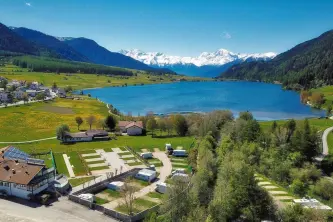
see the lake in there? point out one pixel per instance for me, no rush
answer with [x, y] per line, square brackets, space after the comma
[265, 101]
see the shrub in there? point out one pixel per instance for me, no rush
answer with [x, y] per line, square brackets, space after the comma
[324, 189]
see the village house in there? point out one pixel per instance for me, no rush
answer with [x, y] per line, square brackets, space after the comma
[61, 93]
[44, 90]
[22, 176]
[15, 83]
[88, 136]
[19, 93]
[3, 96]
[34, 85]
[31, 92]
[132, 128]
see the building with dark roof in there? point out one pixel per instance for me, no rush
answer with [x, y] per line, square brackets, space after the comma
[21, 175]
[89, 135]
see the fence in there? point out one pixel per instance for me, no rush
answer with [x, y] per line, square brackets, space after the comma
[109, 212]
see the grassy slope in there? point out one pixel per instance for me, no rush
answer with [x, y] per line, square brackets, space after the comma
[83, 81]
[79, 181]
[40, 120]
[328, 93]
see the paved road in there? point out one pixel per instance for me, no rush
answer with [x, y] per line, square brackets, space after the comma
[68, 165]
[324, 138]
[63, 210]
[23, 103]
[29, 141]
[165, 171]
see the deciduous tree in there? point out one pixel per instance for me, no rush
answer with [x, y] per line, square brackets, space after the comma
[78, 121]
[91, 120]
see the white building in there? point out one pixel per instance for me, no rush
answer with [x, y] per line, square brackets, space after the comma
[116, 185]
[18, 94]
[22, 176]
[132, 128]
[146, 175]
[31, 92]
[3, 97]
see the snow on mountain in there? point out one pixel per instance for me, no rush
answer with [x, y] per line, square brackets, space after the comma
[218, 58]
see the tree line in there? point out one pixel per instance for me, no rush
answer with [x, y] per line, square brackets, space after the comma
[45, 64]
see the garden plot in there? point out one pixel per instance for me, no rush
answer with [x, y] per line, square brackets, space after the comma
[94, 160]
[279, 194]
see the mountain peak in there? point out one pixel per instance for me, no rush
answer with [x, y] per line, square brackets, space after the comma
[217, 58]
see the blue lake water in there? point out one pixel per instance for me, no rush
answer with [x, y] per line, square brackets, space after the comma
[265, 101]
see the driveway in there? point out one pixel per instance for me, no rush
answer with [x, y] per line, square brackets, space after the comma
[63, 210]
[324, 138]
[165, 171]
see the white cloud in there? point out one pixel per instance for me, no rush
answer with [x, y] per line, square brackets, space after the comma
[28, 4]
[226, 35]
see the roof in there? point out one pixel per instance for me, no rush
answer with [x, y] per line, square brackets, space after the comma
[88, 133]
[147, 172]
[129, 124]
[17, 171]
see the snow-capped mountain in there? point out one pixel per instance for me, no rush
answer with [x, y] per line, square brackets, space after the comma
[212, 62]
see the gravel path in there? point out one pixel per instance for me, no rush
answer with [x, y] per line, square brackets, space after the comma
[324, 138]
[29, 141]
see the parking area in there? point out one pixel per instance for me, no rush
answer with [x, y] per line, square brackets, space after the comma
[62, 210]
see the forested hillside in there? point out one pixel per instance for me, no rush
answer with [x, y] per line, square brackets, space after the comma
[11, 42]
[45, 64]
[308, 65]
[61, 48]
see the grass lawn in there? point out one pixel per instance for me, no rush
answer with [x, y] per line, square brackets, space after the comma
[92, 157]
[75, 161]
[98, 161]
[125, 153]
[88, 152]
[100, 201]
[99, 168]
[155, 195]
[135, 164]
[129, 158]
[60, 162]
[112, 193]
[79, 181]
[139, 205]
[109, 149]
[40, 120]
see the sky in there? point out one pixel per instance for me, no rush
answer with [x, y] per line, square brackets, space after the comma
[177, 27]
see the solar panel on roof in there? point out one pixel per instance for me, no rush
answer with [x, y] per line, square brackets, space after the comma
[14, 153]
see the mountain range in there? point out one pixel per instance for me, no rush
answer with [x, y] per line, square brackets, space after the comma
[206, 64]
[307, 65]
[32, 42]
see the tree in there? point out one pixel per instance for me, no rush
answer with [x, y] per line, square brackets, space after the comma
[78, 121]
[127, 196]
[180, 125]
[91, 120]
[25, 98]
[151, 125]
[61, 131]
[110, 122]
[291, 126]
[246, 116]
[40, 96]
[68, 89]
[274, 126]
[54, 85]
[329, 110]
[168, 125]
[3, 83]
[161, 125]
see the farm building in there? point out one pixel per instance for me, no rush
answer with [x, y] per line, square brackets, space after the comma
[87, 136]
[132, 128]
[146, 175]
[22, 176]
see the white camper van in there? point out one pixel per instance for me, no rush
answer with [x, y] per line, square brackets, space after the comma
[147, 155]
[179, 153]
[161, 187]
